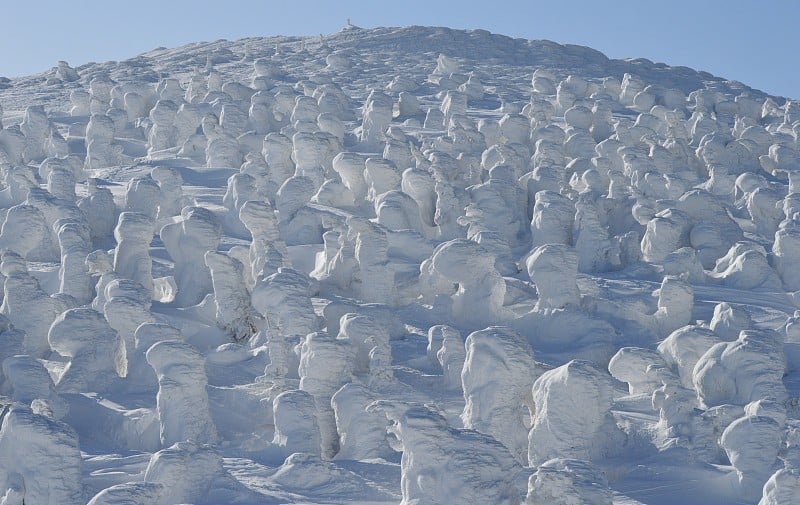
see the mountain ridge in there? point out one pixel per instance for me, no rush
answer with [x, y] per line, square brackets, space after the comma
[235, 57]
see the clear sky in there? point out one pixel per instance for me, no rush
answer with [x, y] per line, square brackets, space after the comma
[756, 42]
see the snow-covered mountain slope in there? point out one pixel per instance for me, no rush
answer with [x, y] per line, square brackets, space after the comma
[374, 54]
[398, 265]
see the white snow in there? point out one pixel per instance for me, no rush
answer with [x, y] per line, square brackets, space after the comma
[397, 265]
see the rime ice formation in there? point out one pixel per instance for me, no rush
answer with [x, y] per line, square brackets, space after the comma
[553, 269]
[100, 264]
[326, 364]
[436, 335]
[296, 426]
[185, 471]
[234, 312]
[100, 211]
[143, 195]
[683, 348]
[21, 291]
[170, 185]
[187, 241]
[145, 336]
[241, 188]
[477, 288]
[25, 231]
[26, 381]
[572, 414]
[786, 238]
[249, 254]
[65, 72]
[132, 256]
[497, 377]
[451, 356]
[752, 444]
[127, 305]
[745, 266]
[781, 488]
[364, 333]
[461, 465]
[564, 481]
[101, 150]
[371, 254]
[267, 251]
[74, 238]
[362, 434]
[163, 133]
[12, 346]
[336, 265]
[728, 321]
[283, 299]
[40, 460]
[129, 492]
[675, 300]
[376, 118]
[96, 352]
[182, 400]
[643, 369]
[35, 128]
[745, 370]
[297, 223]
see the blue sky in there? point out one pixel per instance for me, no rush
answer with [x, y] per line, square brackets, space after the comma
[756, 42]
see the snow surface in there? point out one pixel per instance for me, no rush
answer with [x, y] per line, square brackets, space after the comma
[397, 265]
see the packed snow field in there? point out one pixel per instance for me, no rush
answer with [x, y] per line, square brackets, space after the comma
[400, 265]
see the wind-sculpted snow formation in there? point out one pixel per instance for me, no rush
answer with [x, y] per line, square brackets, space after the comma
[400, 265]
